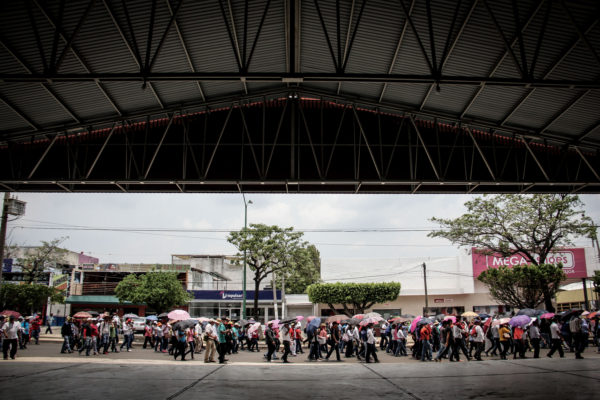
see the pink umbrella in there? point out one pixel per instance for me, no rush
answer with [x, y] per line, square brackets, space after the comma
[253, 328]
[359, 316]
[299, 318]
[413, 325]
[547, 315]
[275, 323]
[368, 321]
[451, 318]
[178, 315]
[308, 319]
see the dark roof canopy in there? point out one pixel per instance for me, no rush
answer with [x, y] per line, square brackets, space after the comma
[522, 71]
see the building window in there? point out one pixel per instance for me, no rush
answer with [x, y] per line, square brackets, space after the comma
[492, 309]
[567, 306]
[209, 310]
[456, 310]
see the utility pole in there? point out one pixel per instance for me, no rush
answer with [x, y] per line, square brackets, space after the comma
[244, 277]
[585, 294]
[425, 282]
[283, 296]
[275, 296]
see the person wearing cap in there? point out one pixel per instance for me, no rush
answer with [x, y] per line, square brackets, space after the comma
[270, 340]
[334, 342]
[127, 334]
[210, 336]
[11, 331]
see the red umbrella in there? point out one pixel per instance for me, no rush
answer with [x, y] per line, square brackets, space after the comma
[8, 313]
[82, 314]
[359, 316]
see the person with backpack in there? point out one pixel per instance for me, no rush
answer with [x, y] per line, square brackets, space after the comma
[181, 340]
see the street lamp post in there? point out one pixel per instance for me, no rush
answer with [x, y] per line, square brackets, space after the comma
[244, 276]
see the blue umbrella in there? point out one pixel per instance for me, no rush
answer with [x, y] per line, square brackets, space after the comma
[313, 325]
[151, 318]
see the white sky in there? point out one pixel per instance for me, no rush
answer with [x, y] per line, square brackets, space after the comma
[226, 211]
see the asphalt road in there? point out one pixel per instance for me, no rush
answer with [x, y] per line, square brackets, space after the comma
[40, 372]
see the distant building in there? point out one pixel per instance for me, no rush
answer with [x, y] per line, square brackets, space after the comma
[216, 284]
[452, 282]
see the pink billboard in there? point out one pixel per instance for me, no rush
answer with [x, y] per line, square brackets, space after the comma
[573, 261]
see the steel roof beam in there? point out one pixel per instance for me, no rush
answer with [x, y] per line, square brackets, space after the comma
[135, 54]
[305, 77]
[419, 41]
[20, 113]
[78, 56]
[563, 55]
[43, 82]
[449, 48]
[501, 59]
[185, 49]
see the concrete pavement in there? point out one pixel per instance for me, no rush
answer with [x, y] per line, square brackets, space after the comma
[40, 372]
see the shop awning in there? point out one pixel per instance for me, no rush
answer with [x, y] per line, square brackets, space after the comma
[95, 299]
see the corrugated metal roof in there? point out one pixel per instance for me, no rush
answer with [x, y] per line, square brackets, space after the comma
[205, 37]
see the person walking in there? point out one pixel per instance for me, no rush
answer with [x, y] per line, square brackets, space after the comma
[298, 338]
[371, 349]
[210, 336]
[535, 337]
[127, 334]
[556, 339]
[478, 340]
[36, 327]
[198, 338]
[334, 342]
[495, 338]
[147, 335]
[270, 341]
[49, 322]
[286, 339]
[425, 336]
[105, 326]
[181, 338]
[445, 340]
[519, 342]
[505, 336]
[25, 325]
[222, 337]
[86, 336]
[66, 332]
[11, 331]
[458, 342]
[576, 332]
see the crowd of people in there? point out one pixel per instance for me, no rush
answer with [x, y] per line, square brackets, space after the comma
[432, 340]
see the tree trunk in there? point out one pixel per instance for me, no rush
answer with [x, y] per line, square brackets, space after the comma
[548, 303]
[256, 286]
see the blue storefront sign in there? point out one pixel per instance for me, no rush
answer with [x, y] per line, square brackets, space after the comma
[233, 295]
[7, 265]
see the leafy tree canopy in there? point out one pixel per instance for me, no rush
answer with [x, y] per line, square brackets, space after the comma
[525, 286]
[358, 295]
[268, 249]
[159, 290]
[533, 225]
[28, 298]
[37, 259]
[305, 271]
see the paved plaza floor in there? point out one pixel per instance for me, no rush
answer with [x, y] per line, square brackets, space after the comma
[40, 372]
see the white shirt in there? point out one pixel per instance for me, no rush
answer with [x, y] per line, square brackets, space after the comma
[495, 333]
[400, 334]
[285, 334]
[355, 334]
[210, 331]
[198, 329]
[456, 332]
[554, 331]
[534, 332]
[370, 336]
[479, 338]
[127, 329]
[11, 330]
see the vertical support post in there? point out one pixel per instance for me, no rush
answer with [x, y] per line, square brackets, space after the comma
[283, 297]
[244, 276]
[585, 294]
[275, 305]
[426, 297]
[3, 232]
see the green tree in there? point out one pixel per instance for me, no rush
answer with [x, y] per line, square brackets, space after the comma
[596, 280]
[159, 290]
[27, 298]
[523, 286]
[359, 295]
[305, 271]
[35, 260]
[531, 225]
[268, 249]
